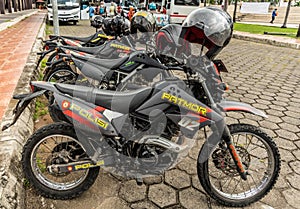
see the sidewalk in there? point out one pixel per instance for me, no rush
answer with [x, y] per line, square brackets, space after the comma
[16, 43]
[18, 48]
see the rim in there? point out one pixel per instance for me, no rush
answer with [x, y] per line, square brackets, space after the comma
[41, 153]
[260, 166]
[62, 76]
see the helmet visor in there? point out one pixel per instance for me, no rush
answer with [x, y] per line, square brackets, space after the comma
[216, 25]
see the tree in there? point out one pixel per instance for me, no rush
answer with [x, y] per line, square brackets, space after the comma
[298, 33]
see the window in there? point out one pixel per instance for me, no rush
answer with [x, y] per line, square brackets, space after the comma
[187, 2]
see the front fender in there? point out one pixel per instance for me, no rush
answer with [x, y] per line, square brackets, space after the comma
[228, 106]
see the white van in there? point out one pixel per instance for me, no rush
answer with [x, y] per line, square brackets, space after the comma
[68, 11]
[178, 10]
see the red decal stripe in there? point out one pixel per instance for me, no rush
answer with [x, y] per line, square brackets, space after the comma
[177, 15]
[236, 109]
[78, 118]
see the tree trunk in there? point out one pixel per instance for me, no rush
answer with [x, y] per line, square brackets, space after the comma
[234, 11]
[225, 5]
[286, 14]
[9, 6]
[298, 33]
[2, 7]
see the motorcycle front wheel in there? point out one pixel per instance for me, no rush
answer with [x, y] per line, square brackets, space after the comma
[260, 156]
[56, 144]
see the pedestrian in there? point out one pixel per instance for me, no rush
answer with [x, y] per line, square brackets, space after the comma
[102, 9]
[91, 12]
[130, 13]
[97, 10]
[112, 9]
[274, 14]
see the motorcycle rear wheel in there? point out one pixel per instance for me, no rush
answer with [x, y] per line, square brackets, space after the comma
[61, 74]
[260, 156]
[46, 147]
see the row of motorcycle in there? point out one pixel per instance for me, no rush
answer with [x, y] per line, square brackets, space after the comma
[134, 104]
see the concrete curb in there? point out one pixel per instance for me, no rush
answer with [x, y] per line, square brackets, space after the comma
[266, 39]
[12, 140]
[5, 25]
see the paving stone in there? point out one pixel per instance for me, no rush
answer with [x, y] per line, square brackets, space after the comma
[143, 205]
[189, 165]
[289, 127]
[291, 120]
[294, 180]
[274, 199]
[113, 203]
[297, 143]
[262, 101]
[285, 144]
[192, 199]
[282, 99]
[131, 192]
[297, 154]
[194, 152]
[293, 108]
[287, 134]
[196, 183]
[292, 197]
[275, 112]
[286, 155]
[153, 179]
[269, 125]
[177, 178]
[279, 103]
[162, 195]
[292, 114]
[274, 119]
[261, 106]
[295, 166]
[248, 121]
[231, 120]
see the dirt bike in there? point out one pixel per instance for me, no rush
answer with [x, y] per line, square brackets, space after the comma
[146, 131]
[112, 29]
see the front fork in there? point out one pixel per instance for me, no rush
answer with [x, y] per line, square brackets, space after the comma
[236, 158]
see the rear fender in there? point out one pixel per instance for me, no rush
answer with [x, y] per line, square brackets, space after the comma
[24, 101]
[229, 106]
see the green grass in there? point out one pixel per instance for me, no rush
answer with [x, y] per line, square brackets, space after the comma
[48, 30]
[260, 29]
[40, 108]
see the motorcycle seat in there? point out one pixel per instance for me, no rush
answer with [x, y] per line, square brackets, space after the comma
[123, 102]
[81, 39]
[89, 50]
[106, 63]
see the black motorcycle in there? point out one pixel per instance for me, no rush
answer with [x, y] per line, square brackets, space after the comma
[142, 132]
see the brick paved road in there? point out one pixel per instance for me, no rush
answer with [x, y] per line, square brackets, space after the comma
[265, 76]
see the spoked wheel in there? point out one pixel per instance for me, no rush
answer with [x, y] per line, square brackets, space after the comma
[56, 144]
[62, 74]
[219, 177]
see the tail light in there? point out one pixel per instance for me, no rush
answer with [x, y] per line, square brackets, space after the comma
[32, 87]
[47, 47]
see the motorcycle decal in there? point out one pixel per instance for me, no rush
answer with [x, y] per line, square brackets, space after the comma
[118, 46]
[184, 103]
[129, 63]
[86, 165]
[72, 43]
[188, 123]
[78, 113]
